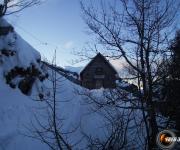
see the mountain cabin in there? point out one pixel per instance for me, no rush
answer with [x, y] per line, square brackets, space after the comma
[99, 73]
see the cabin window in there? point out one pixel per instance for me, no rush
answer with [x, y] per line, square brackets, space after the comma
[99, 71]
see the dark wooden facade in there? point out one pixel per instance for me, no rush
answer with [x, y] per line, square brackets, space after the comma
[99, 73]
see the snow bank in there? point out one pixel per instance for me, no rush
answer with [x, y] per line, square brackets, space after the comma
[15, 114]
[17, 110]
[15, 107]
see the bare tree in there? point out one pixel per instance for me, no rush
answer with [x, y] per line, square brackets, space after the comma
[119, 115]
[47, 124]
[8, 7]
[137, 31]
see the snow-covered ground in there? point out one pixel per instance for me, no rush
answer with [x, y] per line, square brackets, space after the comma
[17, 110]
[15, 107]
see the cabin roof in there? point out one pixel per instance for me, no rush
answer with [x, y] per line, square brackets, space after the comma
[103, 58]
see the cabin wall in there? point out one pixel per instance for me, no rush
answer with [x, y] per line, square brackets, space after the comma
[90, 80]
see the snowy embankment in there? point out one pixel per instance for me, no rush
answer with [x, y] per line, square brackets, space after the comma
[24, 84]
[15, 112]
[15, 107]
[19, 67]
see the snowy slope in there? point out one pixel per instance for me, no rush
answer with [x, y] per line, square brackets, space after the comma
[25, 53]
[15, 107]
[17, 110]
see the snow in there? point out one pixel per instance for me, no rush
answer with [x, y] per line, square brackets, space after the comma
[27, 54]
[74, 69]
[76, 113]
[17, 110]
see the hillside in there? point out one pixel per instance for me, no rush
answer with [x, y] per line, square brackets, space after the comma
[25, 88]
[18, 64]
[24, 81]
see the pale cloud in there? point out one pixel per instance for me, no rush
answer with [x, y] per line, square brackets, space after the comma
[118, 64]
[68, 45]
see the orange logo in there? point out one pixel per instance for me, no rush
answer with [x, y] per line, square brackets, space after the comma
[164, 139]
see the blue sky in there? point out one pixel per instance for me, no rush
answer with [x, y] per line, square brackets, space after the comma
[55, 22]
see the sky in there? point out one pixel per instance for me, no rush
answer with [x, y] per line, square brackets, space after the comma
[54, 24]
